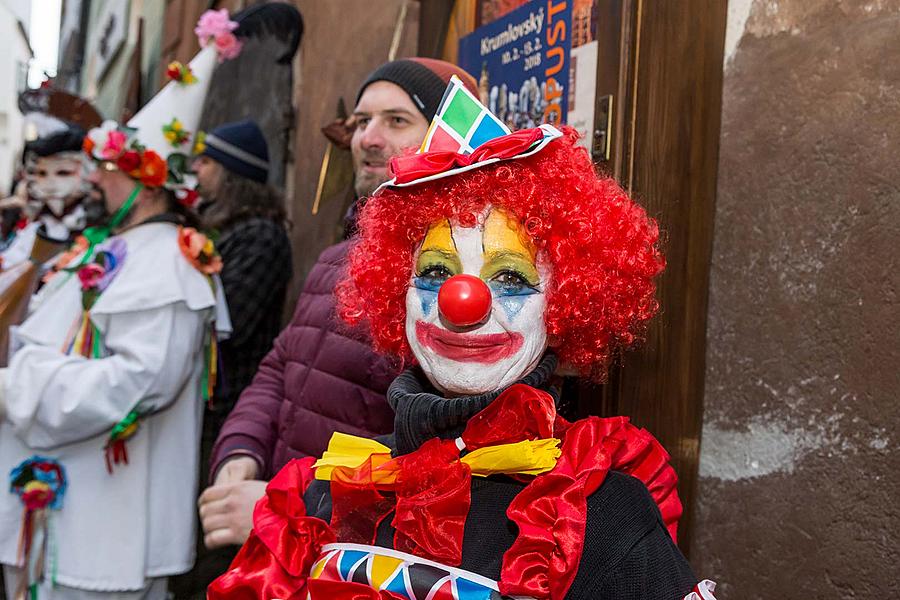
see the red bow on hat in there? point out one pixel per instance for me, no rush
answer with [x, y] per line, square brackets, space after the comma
[410, 168]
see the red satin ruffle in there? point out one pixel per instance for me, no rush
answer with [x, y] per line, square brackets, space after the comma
[284, 543]
[416, 166]
[551, 512]
[358, 507]
[520, 413]
[433, 496]
[432, 486]
[434, 493]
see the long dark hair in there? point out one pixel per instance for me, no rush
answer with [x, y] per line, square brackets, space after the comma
[187, 217]
[239, 198]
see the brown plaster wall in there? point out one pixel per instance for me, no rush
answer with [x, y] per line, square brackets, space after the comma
[342, 43]
[798, 490]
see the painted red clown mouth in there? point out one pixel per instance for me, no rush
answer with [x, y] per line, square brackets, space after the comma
[468, 347]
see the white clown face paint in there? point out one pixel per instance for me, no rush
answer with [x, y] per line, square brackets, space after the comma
[510, 342]
[58, 180]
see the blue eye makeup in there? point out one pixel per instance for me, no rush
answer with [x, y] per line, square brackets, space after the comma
[432, 277]
[511, 283]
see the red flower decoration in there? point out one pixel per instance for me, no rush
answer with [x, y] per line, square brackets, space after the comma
[129, 161]
[199, 250]
[37, 498]
[153, 170]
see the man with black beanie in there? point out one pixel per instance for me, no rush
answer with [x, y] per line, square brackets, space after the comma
[320, 377]
[401, 98]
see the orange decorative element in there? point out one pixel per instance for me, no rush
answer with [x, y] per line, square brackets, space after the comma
[199, 250]
[153, 171]
[65, 259]
[88, 146]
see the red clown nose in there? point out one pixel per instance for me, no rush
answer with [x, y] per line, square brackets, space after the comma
[464, 300]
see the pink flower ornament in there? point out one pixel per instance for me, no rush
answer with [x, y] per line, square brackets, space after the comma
[228, 46]
[213, 23]
[90, 275]
[114, 146]
[101, 146]
[217, 27]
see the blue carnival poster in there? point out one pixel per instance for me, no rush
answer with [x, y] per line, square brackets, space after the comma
[521, 62]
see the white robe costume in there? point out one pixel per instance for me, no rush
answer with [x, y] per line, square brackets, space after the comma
[19, 250]
[119, 531]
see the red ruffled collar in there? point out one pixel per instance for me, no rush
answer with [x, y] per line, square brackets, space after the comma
[432, 494]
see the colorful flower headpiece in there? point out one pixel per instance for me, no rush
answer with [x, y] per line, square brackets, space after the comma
[216, 27]
[118, 144]
[113, 143]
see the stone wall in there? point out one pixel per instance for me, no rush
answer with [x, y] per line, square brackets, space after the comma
[799, 482]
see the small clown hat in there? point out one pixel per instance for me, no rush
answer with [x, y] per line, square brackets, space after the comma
[157, 144]
[463, 136]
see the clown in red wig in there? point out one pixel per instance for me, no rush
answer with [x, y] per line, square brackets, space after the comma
[573, 242]
[488, 260]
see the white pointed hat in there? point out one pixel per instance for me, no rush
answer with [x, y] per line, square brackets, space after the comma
[178, 104]
[156, 145]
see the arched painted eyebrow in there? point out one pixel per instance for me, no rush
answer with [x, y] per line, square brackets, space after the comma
[499, 254]
[448, 254]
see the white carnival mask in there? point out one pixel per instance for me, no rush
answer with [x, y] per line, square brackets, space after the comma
[57, 180]
[475, 306]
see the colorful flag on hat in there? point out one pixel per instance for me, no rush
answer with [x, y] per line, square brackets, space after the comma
[461, 123]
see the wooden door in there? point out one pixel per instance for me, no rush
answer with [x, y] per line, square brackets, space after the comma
[658, 105]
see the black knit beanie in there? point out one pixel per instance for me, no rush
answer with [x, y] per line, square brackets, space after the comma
[424, 79]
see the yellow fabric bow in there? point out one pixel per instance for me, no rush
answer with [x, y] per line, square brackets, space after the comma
[528, 457]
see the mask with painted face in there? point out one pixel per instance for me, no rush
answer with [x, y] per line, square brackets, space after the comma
[59, 181]
[475, 306]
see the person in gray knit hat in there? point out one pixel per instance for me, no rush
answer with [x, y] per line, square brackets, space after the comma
[321, 377]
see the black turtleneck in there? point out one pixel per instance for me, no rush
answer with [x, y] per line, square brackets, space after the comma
[421, 414]
[628, 554]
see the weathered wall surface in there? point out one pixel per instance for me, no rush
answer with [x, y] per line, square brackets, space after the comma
[799, 485]
[343, 42]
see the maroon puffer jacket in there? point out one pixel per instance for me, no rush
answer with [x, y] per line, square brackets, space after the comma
[320, 377]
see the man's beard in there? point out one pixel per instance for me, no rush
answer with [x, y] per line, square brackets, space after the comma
[365, 185]
[95, 209]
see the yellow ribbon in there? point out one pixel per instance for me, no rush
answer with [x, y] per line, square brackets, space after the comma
[528, 457]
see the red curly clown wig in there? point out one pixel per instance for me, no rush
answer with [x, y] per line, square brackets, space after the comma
[602, 249]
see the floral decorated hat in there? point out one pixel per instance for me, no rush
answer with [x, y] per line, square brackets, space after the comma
[156, 146]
